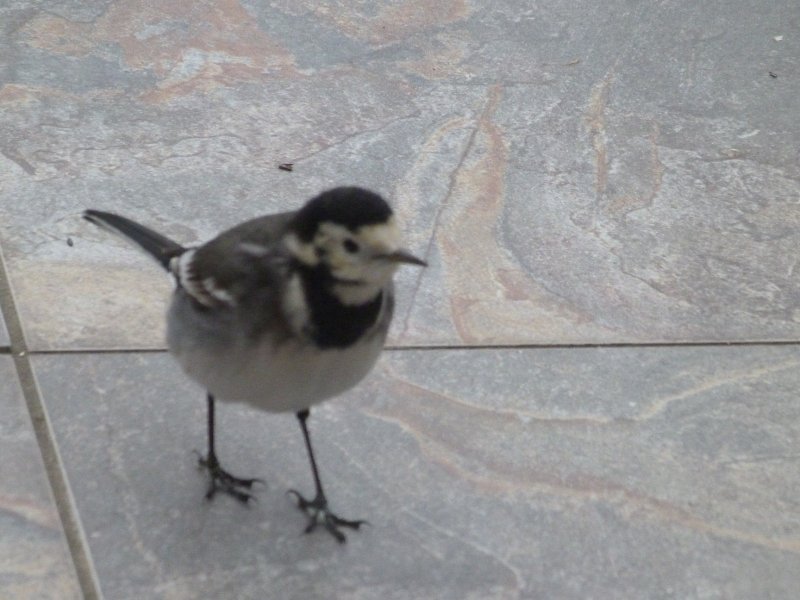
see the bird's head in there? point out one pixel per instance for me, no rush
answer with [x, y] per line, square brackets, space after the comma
[350, 235]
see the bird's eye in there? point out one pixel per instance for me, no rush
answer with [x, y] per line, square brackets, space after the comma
[351, 246]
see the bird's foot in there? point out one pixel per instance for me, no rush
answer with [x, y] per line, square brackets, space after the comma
[222, 481]
[319, 514]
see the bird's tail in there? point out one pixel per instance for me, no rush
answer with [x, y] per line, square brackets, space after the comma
[157, 246]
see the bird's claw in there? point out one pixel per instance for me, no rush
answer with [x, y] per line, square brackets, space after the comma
[319, 514]
[222, 481]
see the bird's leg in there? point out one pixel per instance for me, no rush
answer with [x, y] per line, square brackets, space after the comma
[221, 480]
[317, 509]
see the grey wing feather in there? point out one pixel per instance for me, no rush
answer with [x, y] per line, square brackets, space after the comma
[244, 259]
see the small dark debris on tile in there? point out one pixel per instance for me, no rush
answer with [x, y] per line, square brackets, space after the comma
[286, 166]
[773, 74]
[70, 243]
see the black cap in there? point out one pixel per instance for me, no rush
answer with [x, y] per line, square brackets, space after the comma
[350, 207]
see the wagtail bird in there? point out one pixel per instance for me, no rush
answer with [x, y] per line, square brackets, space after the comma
[281, 312]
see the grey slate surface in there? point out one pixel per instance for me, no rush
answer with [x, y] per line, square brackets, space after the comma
[34, 560]
[576, 172]
[575, 473]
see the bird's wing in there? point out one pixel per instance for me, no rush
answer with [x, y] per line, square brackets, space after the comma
[245, 260]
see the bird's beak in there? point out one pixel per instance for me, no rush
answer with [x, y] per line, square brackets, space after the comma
[404, 257]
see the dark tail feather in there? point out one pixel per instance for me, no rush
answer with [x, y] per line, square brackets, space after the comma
[156, 245]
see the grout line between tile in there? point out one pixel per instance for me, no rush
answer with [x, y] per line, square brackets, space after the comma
[439, 347]
[580, 345]
[59, 486]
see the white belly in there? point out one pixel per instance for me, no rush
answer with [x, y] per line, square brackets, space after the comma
[289, 377]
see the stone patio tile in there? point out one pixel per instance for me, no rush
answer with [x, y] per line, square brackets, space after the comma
[34, 560]
[662, 472]
[576, 173]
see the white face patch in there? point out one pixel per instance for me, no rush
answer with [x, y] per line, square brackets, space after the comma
[354, 257]
[382, 237]
[366, 264]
